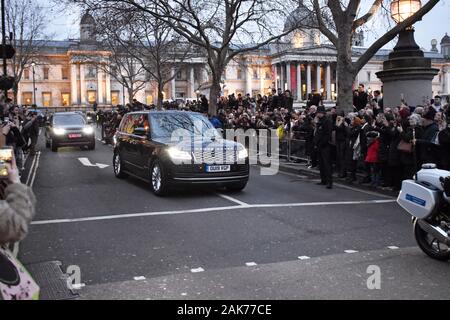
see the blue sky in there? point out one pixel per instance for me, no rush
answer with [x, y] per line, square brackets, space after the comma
[433, 26]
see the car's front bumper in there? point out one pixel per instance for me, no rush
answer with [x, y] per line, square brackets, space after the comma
[196, 174]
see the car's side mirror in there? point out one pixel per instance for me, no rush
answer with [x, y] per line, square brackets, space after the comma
[141, 132]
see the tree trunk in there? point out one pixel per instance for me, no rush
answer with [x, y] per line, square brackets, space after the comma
[346, 79]
[215, 89]
[15, 92]
[346, 72]
[130, 94]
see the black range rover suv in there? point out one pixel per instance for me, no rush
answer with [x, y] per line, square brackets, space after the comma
[173, 148]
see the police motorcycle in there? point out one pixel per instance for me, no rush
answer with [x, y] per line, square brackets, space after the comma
[427, 199]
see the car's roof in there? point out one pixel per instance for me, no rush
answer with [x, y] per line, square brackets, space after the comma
[67, 113]
[166, 112]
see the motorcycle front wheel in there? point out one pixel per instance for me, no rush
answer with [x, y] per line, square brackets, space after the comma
[430, 245]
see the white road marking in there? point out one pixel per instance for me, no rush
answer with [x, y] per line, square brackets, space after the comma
[304, 258]
[213, 209]
[393, 248]
[85, 162]
[139, 278]
[239, 202]
[35, 169]
[31, 169]
[197, 270]
[251, 264]
[351, 251]
[78, 286]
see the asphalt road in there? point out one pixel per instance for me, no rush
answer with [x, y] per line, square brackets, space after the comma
[117, 230]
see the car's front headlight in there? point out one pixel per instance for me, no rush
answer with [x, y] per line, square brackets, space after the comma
[243, 154]
[178, 155]
[88, 130]
[59, 131]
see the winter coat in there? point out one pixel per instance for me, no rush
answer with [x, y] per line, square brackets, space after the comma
[16, 213]
[372, 151]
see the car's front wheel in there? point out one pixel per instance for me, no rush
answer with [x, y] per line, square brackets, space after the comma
[118, 168]
[158, 181]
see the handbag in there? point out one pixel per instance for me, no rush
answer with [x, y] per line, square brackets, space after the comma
[405, 146]
[15, 281]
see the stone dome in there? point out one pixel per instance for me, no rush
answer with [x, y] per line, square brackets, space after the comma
[445, 39]
[301, 17]
[87, 19]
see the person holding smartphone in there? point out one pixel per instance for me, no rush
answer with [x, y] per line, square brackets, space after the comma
[17, 205]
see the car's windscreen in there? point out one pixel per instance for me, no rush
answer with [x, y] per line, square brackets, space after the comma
[165, 124]
[69, 120]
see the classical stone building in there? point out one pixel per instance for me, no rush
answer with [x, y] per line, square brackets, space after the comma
[69, 73]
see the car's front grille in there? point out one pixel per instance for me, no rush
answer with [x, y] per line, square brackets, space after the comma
[215, 156]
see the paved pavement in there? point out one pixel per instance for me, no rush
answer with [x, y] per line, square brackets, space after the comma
[130, 244]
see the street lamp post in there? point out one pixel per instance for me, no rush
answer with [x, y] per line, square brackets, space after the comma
[407, 73]
[34, 83]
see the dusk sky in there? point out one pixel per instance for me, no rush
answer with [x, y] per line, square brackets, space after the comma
[433, 26]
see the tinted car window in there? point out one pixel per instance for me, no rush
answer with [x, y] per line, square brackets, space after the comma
[64, 120]
[164, 124]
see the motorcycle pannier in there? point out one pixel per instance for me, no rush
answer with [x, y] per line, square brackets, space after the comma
[418, 200]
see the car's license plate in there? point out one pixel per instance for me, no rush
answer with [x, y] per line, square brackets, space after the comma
[74, 135]
[223, 168]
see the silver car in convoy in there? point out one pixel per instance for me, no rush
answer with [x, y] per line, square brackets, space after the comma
[69, 129]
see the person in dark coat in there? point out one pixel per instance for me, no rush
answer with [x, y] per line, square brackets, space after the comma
[322, 138]
[382, 126]
[341, 129]
[444, 142]
[288, 101]
[361, 98]
[427, 150]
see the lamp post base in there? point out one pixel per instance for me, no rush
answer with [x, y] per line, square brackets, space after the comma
[407, 73]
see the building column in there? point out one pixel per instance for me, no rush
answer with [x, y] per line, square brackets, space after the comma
[276, 76]
[82, 85]
[108, 88]
[336, 83]
[308, 79]
[299, 82]
[74, 84]
[282, 70]
[100, 86]
[248, 79]
[172, 83]
[328, 82]
[288, 76]
[192, 82]
[261, 80]
[318, 79]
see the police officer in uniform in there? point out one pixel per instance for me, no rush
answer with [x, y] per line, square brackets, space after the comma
[322, 139]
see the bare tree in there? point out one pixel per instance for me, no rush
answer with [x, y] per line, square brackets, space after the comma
[26, 23]
[148, 42]
[223, 29]
[346, 21]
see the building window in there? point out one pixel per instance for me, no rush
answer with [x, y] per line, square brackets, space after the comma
[65, 97]
[46, 99]
[65, 73]
[115, 97]
[369, 76]
[239, 74]
[27, 98]
[149, 98]
[268, 75]
[91, 72]
[92, 96]
[255, 74]
[46, 72]
[179, 75]
[26, 74]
